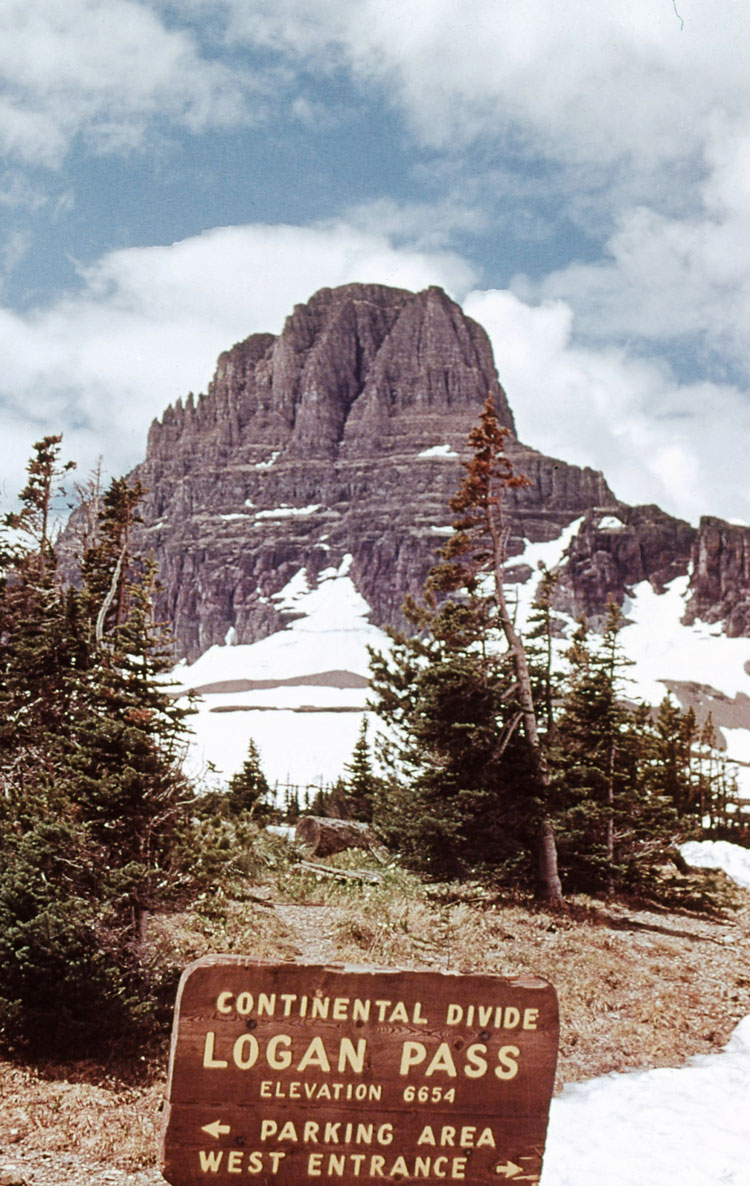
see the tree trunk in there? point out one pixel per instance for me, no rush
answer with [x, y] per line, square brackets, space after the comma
[549, 877]
[611, 817]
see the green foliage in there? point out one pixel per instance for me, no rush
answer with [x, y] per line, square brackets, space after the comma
[498, 757]
[455, 796]
[330, 801]
[613, 831]
[66, 982]
[362, 784]
[248, 789]
[89, 734]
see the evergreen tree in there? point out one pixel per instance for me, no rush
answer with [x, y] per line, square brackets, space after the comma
[456, 794]
[37, 498]
[545, 679]
[614, 831]
[40, 649]
[672, 738]
[361, 782]
[590, 755]
[89, 735]
[478, 550]
[248, 789]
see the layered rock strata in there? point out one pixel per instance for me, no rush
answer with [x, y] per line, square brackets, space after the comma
[344, 434]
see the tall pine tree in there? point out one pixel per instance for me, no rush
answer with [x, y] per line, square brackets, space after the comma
[457, 696]
[94, 828]
[479, 549]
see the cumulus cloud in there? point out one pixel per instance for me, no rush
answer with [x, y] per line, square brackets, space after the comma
[104, 70]
[656, 440]
[638, 115]
[148, 323]
[667, 278]
[581, 81]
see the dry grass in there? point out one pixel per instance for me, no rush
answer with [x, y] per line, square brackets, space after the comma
[74, 1109]
[637, 988]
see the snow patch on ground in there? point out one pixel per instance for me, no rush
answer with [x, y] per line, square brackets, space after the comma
[548, 554]
[610, 523]
[287, 512]
[268, 462]
[687, 1126]
[719, 854]
[332, 632]
[663, 648]
[738, 743]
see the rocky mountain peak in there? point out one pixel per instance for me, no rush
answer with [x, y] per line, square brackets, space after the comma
[344, 436]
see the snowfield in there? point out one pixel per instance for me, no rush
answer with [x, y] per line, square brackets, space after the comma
[719, 854]
[306, 734]
[688, 1126]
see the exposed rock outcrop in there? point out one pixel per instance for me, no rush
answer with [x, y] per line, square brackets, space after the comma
[720, 582]
[343, 435]
[616, 547]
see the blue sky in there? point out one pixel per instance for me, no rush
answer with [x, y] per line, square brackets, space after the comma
[177, 176]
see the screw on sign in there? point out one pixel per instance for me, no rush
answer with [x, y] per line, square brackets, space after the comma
[312, 1075]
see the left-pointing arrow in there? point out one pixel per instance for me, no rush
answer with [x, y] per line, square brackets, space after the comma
[216, 1129]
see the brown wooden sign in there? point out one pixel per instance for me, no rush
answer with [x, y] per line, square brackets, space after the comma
[297, 1075]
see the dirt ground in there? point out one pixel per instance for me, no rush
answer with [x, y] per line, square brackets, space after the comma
[637, 988]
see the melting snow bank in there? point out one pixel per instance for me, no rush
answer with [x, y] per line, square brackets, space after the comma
[330, 631]
[687, 1126]
[720, 854]
[663, 648]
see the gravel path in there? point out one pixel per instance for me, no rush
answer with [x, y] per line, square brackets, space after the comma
[313, 931]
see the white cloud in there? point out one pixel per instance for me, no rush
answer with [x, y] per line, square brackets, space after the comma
[424, 225]
[104, 69]
[148, 324]
[655, 439]
[666, 278]
[582, 81]
[13, 250]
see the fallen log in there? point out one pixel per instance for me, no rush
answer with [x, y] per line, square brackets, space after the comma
[325, 836]
[369, 875]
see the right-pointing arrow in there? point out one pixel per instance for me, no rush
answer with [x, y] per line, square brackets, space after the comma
[509, 1170]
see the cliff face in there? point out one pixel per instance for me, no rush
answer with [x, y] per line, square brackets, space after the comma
[616, 548]
[344, 434]
[720, 579]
